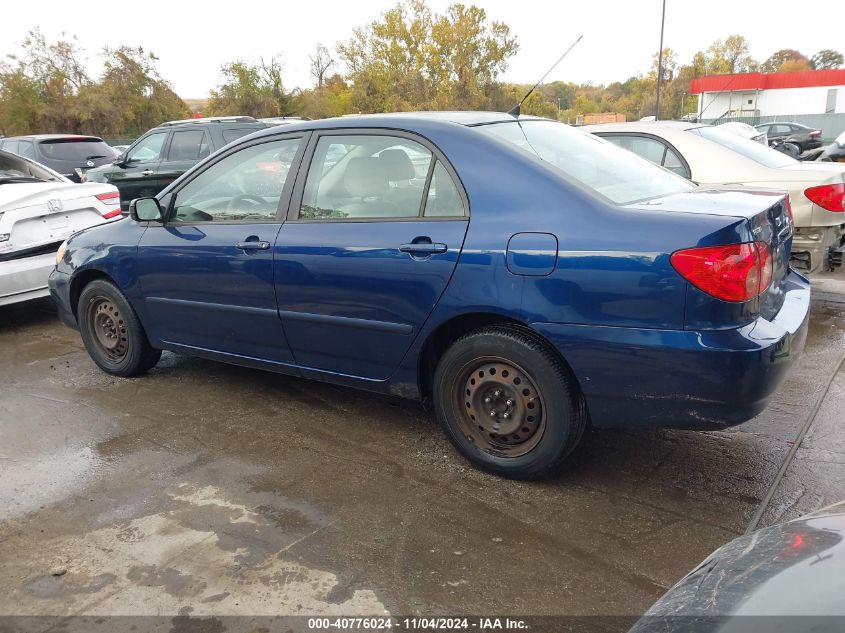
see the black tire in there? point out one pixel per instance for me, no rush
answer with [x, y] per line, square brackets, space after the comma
[542, 382]
[111, 331]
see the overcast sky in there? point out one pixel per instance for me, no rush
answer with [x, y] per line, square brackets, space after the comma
[193, 39]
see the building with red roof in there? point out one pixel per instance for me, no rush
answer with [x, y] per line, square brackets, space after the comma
[773, 94]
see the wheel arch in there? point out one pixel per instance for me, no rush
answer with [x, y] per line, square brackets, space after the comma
[82, 279]
[446, 333]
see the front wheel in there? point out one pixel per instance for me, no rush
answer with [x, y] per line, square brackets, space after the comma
[111, 331]
[508, 403]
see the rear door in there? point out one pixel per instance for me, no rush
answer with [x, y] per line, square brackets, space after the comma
[376, 225]
[184, 150]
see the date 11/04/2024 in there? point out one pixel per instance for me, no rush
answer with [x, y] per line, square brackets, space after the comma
[418, 623]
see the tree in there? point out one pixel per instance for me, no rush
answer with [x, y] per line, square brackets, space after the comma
[778, 58]
[412, 58]
[252, 90]
[321, 61]
[731, 56]
[46, 89]
[827, 59]
[795, 65]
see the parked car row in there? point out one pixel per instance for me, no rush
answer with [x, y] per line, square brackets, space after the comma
[709, 155]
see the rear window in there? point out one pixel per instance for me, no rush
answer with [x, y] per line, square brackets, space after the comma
[74, 149]
[757, 152]
[615, 173]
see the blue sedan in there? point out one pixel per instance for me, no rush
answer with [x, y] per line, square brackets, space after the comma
[528, 277]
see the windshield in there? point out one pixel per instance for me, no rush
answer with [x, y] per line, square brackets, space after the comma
[757, 152]
[615, 173]
[15, 169]
[75, 150]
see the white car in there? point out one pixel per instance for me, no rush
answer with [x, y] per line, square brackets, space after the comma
[39, 209]
[746, 131]
[708, 155]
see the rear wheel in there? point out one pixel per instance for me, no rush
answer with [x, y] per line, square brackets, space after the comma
[507, 403]
[111, 332]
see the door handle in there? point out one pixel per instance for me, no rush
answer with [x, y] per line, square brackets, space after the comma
[147, 172]
[253, 246]
[423, 248]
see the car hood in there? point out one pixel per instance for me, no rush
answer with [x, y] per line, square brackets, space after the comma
[15, 195]
[793, 569]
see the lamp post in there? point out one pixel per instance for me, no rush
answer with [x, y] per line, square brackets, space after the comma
[660, 63]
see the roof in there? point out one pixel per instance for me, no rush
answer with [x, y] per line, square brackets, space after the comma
[211, 119]
[641, 126]
[770, 81]
[410, 121]
[47, 137]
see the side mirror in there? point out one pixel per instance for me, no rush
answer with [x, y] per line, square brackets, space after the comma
[146, 210]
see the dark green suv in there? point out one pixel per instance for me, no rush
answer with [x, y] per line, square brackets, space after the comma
[166, 152]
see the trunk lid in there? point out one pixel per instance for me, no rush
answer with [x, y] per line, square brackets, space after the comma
[761, 215]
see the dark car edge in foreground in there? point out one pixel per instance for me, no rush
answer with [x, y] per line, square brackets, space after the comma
[527, 276]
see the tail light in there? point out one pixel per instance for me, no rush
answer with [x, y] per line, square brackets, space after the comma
[111, 199]
[735, 272]
[815, 133]
[830, 197]
[788, 204]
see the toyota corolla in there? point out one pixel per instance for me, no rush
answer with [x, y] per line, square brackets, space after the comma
[528, 277]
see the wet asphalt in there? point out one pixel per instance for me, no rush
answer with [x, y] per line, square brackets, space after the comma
[203, 488]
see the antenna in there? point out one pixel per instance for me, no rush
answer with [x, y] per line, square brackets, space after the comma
[516, 109]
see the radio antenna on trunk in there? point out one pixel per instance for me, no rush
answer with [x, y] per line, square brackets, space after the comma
[515, 111]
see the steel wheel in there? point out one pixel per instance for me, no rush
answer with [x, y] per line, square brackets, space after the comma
[107, 324]
[500, 406]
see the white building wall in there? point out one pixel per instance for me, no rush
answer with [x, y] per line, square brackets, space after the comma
[771, 102]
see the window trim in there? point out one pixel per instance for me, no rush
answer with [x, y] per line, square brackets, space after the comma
[659, 139]
[207, 163]
[299, 190]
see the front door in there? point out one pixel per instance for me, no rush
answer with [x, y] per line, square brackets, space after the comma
[137, 174]
[371, 241]
[207, 273]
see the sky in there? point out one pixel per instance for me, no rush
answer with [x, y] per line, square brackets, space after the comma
[194, 39]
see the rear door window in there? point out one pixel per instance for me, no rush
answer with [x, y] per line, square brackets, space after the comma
[365, 176]
[188, 145]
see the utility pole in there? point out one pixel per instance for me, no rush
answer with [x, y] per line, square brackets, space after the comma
[660, 63]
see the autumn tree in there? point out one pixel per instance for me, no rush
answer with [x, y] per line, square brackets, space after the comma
[251, 90]
[730, 56]
[775, 63]
[827, 59]
[412, 58]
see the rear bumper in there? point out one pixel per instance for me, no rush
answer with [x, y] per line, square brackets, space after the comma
[25, 278]
[684, 379]
[59, 284]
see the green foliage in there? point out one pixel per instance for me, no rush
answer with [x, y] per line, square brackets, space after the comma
[412, 58]
[251, 90]
[45, 89]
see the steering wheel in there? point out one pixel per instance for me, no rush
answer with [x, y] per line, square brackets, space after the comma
[245, 197]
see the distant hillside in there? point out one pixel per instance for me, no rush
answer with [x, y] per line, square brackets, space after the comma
[196, 105]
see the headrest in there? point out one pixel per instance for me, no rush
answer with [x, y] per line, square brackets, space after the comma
[397, 164]
[366, 177]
